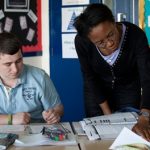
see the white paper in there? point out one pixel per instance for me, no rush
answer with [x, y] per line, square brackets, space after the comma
[111, 131]
[116, 118]
[2, 147]
[126, 136]
[108, 126]
[75, 2]
[35, 129]
[30, 140]
[8, 24]
[23, 22]
[30, 35]
[32, 16]
[68, 47]
[39, 139]
[68, 16]
[1, 14]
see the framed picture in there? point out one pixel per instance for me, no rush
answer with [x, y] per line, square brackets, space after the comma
[16, 5]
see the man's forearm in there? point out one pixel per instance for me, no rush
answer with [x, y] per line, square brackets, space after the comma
[105, 108]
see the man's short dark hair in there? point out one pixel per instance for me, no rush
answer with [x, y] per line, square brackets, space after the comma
[9, 43]
[93, 15]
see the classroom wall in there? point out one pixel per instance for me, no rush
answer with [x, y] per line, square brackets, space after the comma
[42, 61]
[61, 67]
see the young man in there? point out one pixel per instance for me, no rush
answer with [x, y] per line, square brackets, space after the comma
[115, 61]
[26, 93]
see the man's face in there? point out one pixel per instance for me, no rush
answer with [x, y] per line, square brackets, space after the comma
[11, 65]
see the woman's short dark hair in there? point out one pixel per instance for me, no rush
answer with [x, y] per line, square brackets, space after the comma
[9, 43]
[93, 15]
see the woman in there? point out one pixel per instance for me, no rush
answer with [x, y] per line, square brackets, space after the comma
[115, 60]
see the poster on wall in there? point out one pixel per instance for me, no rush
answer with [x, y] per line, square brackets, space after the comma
[68, 47]
[147, 19]
[75, 2]
[68, 16]
[23, 18]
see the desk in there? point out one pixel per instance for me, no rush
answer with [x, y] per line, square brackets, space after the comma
[44, 147]
[83, 141]
[85, 144]
[74, 147]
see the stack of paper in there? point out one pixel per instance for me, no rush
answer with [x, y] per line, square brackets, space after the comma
[39, 139]
[34, 137]
[108, 126]
[129, 138]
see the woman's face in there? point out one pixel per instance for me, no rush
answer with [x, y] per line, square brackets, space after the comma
[105, 37]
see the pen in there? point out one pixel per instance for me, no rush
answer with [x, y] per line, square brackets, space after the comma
[65, 129]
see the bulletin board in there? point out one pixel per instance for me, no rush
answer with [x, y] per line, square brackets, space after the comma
[23, 18]
[144, 17]
[147, 19]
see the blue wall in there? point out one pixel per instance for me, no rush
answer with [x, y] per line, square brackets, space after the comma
[66, 73]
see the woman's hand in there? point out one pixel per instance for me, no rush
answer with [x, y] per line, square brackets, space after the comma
[142, 127]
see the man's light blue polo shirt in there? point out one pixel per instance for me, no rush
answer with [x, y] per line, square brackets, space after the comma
[34, 93]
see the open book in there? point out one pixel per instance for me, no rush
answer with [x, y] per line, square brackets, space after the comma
[108, 126]
[34, 136]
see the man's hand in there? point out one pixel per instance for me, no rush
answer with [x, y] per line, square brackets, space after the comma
[142, 128]
[21, 118]
[51, 116]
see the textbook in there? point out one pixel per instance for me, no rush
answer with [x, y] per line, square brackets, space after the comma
[108, 126]
[7, 139]
[57, 134]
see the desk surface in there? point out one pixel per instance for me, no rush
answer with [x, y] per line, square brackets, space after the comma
[83, 141]
[85, 144]
[44, 147]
